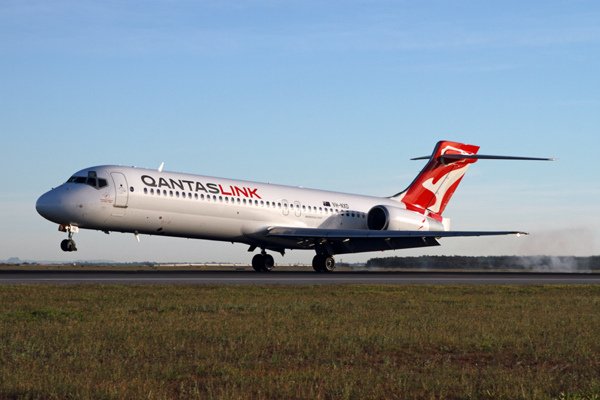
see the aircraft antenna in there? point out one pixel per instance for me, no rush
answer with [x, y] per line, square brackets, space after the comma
[161, 166]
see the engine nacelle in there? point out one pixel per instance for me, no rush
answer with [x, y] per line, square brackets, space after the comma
[386, 218]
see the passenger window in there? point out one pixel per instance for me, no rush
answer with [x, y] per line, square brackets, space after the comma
[177, 193]
[202, 197]
[244, 201]
[145, 190]
[221, 199]
[158, 192]
[320, 209]
[279, 205]
[171, 193]
[256, 203]
[164, 192]
[238, 200]
[196, 196]
[226, 199]
[151, 191]
[262, 203]
[303, 208]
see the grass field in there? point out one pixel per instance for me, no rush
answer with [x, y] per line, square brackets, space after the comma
[296, 342]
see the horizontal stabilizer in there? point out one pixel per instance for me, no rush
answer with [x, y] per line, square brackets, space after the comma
[483, 157]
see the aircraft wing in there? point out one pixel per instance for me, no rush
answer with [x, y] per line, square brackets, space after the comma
[341, 241]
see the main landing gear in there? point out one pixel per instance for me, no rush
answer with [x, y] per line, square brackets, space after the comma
[68, 244]
[263, 262]
[323, 263]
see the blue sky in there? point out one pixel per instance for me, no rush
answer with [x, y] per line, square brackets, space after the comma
[330, 95]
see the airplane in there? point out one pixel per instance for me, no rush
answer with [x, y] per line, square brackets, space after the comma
[113, 198]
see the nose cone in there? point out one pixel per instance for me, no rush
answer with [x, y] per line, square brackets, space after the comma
[47, 205]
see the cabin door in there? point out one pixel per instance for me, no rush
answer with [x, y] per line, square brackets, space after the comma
[121, 191]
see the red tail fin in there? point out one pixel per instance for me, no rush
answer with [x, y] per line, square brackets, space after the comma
[431, 191]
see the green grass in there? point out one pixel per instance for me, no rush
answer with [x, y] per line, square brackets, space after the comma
[295, 342]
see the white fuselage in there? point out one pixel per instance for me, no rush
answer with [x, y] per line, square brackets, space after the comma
[194, 206]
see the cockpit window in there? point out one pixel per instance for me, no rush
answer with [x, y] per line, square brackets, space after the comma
[92, 181]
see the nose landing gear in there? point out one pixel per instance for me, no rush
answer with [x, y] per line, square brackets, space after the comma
[68, 244]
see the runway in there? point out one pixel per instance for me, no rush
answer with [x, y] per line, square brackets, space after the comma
[292, 277]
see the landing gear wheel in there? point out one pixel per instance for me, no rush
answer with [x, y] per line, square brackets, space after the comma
[316, 263]
[71, 245]
[329, 264]
[269, 263]
[323, 263]
[68, 245]
[263, 262]
[258, 262]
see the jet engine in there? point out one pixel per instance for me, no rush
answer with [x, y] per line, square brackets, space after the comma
[386, 218]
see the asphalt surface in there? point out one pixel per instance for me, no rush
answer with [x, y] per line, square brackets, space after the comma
[292, 277]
